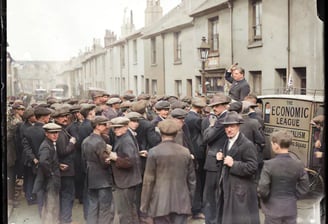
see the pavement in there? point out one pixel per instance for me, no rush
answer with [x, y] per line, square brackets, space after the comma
[308, 212]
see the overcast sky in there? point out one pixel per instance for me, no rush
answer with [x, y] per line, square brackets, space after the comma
[59, 29]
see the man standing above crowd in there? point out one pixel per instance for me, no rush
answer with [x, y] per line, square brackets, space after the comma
[239, 86]
[169, 182]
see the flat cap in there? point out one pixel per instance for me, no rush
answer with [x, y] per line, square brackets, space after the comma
[105, 94]
[139, 106]
[29, 112]
[75, 108]
[99, 120]
[126, 104]
[18, 106]
[178, 104]
[246, 105]
[52, 127]
[113, 100]
[96, 94]
[233, 117]
[18, 101]
[133, 116]
[198, 102]
[162, 105]
[219, 99]
[52, 100]
[143, 96]
[72, 101]
[86, 107]
[119, 121]
[168, 127]
[179, 113]
[61, 111]
[236, 106]
[41, 111]
[129, 97]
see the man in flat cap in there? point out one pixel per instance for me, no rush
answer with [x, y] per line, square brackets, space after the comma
[66, 151]
[237, 196]
[125, 161]
[193, 121]
[169, 181]
[47, 182]
[214, 138]
[99, 173]
[32, 139]
[162, 108]
[113, 109]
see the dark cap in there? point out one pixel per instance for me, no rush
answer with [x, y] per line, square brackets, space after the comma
[219, 99]
[113, 100]
[236, 106]
[60, 112]
[233, 117]
[99, 120]
[178, 104]
[119, 121]
[133, 116]
[168, 127]
[179, 113]
[72, 101]
[18, 106]
[198, 102]
[143, 96]
[52, 100]
[129, 97]
[75, 108]
[162, 105]
[52, 127]
[139, 106]
[29, 112]
[86, 107]
[41, 111]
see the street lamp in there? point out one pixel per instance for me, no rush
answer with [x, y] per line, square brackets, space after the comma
[203, 54]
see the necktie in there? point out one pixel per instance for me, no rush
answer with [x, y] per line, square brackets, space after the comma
[55, 146]
[230, 143]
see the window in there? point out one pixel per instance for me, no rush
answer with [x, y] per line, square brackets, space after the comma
[122, 56]
[255, 20]
[177, 47]
[178, 88]
[255, 81]
[154, 86]
[135, 52]
[214, 33]
[282, 78]
[153, 50]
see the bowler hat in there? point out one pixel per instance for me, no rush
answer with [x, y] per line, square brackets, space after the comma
[219, 99]
[179, 113]
[160, 105]
[119, 121]
[168, 127]
[233, 117]
[52, 127]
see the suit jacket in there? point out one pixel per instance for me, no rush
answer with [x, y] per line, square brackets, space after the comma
[126, 169]
[283, 180]
[169, 181]
[98, 173]
[238, 89]
[147, 137]
[237, 194]
[194, 123]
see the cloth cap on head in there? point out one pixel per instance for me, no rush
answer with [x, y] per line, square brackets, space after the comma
[318, 120]
[143, 96]
[113, 100]
[133, 116]
[198, 102]
[187, 99]
[168, 127]
[126, 104]
[233, 117]
[41, 111]
[43, 105]
[99, 120]
[19, 102]
[129, 97]
[72, 101]
[51, 100]
[162, 105]
[18, 106]
[236, 106]
[139, 106]
[29, 112]
[179, 113]
[60, 112]
[55, 106]
[105, 94]
[86, 107]
[52, 127]
[75, 108]
[96, 94]
[246, 105]
[119, 121]
[178, 104]
[219, 99]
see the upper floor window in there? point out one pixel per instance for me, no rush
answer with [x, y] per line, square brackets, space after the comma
[213, 30]
[122, 56]
[256, 20]
[135, 52]
[153, 50]
[177, 47]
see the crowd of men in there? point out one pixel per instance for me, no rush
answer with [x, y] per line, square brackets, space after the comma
[145, 159]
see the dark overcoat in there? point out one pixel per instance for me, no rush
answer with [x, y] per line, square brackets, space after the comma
[237, 187]
[238, 89]
[169, 181]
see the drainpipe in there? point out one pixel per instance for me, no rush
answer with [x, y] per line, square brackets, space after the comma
[288, 75]
[231, 29]
[163, 47]
[128, 64]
